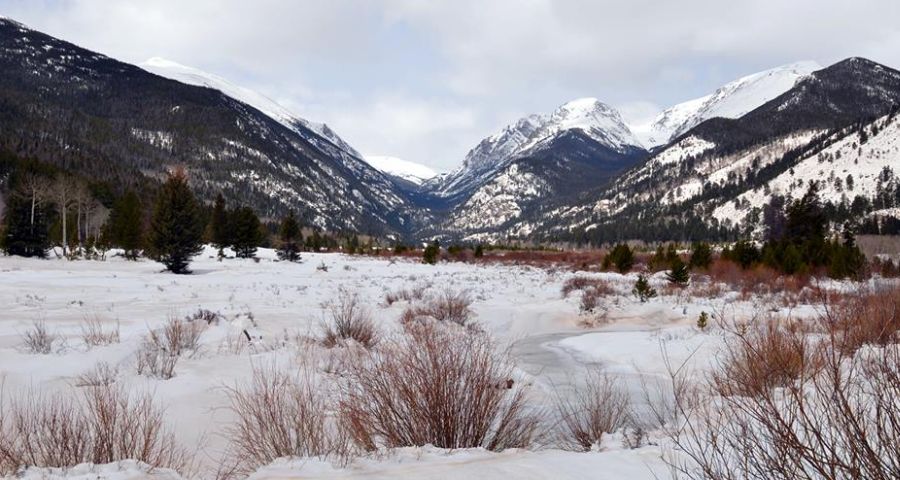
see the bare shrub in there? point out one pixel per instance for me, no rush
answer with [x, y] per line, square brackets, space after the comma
[279, 415]
[448, 306]
[412, 294]
[234, 343]
[839, 420]
[154, 361]
[436, 384]
[599, 407]
[590, 300]
[872, 319]
[38, 339]
[348, 320]
[204, 315]
[103, 374]
[94, 334]
[99, 425]
[763, 355]
[178, 336]
[582, 282]
[161, 349]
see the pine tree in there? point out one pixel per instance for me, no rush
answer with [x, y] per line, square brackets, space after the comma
[176, 231]
[703, 321]
[218, 229]
[126, 225]
[479, 251]
[431, 252]
[25, 229]
[642, 289]
[245, 232]
[314, 242]
[621, 256]
[290, 239]
[678, 273]
[658, 261]
[701, 256]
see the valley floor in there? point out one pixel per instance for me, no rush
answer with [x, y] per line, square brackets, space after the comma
[282, 302]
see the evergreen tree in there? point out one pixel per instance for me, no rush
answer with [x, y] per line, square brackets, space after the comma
[314, 242]
[126, 225]
[743, 253]
[621, 256]
[290, 239]
[25, 229]
[245, 232]
[658, 261]
[479, 251]
[805, 218]
[642, 289]
[218, 230]
[176, 231]
[703, 321]
[701, 255]
[430, 255]
[678, 273]
[672, 254]
[846, 259]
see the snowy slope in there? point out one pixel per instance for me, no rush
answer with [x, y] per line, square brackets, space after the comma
[409, 171]
[844, 170]
[192, 76]
[732, 100]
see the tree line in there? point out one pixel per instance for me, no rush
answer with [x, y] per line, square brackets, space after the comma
[50, 208]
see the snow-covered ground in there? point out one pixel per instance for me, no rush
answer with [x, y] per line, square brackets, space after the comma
[522, 306]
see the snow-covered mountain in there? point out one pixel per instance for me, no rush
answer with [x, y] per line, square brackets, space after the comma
[415, 173]
[719, 173]
[535, 162]
[82, 111]
[193, 76]
[732, 100]
[531, 134]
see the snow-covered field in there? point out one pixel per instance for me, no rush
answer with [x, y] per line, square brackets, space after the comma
[521, 306]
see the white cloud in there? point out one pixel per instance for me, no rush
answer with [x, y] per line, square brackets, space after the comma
[395, 122]
[466, 67]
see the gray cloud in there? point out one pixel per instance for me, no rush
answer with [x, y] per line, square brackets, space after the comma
[426, 80]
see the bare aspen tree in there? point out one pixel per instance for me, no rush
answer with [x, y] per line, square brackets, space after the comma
[36, 189]
[64, 192]
[81, 197]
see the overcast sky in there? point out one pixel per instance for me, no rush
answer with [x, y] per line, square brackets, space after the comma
[426, 80]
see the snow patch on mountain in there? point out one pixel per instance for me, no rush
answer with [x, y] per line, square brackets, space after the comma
[409, 171]
[193, 76]
[732, 100]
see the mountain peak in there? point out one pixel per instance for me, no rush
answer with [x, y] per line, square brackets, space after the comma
[593, 117]
[731, 100]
